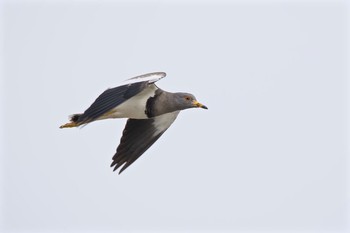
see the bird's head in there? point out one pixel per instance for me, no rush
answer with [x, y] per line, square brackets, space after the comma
[187, 100]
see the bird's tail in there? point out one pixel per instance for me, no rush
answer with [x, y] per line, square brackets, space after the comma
[74, 121]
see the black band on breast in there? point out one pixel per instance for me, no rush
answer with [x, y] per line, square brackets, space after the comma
[149, 111]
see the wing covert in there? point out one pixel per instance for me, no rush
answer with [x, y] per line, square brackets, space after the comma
[110, 99]
[113, 97]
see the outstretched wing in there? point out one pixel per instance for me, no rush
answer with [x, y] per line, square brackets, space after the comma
[113, 97]
[138, 136]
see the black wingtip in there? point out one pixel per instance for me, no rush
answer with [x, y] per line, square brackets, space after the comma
[115, 168]
[113, 163]
[117, 165]
[123, 168]
[120, 171]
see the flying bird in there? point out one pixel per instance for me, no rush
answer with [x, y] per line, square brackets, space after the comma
[149, 109]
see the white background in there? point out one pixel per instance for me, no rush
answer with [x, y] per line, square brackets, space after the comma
[270, 154]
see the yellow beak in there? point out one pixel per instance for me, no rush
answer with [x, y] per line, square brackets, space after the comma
[198, 105]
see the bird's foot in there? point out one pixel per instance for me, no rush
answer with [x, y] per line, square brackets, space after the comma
[69, 125]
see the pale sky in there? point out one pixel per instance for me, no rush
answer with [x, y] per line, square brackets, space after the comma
[270, 154]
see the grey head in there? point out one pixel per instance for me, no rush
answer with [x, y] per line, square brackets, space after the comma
[181, 101]
[165, 102]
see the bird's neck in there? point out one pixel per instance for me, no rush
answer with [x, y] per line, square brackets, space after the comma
[161, 103]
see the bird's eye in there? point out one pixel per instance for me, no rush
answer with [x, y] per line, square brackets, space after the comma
[187, 98]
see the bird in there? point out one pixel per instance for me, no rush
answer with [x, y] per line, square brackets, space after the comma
[149, 111]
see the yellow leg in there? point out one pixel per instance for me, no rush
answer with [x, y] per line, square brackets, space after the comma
[69, 125]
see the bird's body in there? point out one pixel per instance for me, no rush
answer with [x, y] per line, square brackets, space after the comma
[135, 106]
[150, 110]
